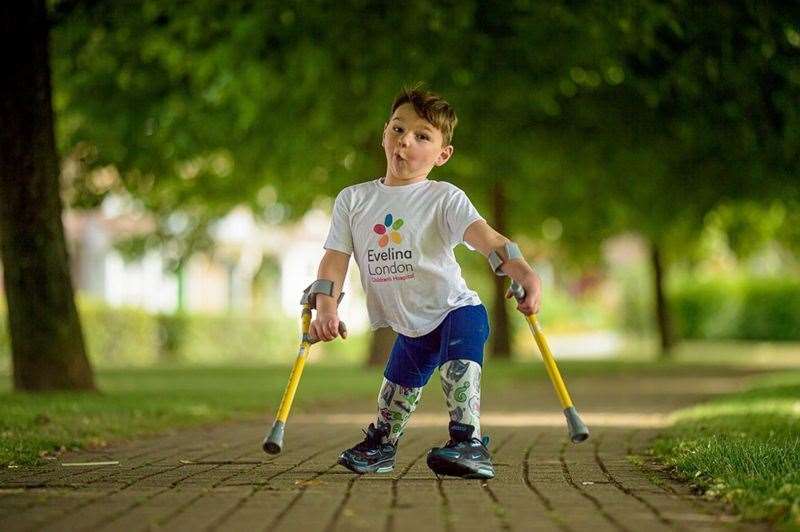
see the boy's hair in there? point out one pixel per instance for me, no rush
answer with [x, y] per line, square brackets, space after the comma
[432, 108]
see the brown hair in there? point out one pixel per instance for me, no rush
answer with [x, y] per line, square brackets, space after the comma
[432, 108]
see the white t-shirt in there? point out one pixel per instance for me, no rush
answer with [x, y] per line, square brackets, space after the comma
[402, 239]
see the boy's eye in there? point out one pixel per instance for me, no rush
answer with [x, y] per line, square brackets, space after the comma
[422, 136]
[398, 129]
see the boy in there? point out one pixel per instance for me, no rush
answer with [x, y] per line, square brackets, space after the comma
[402, 229]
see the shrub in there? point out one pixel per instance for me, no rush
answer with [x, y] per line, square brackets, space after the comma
[127, 336]
[171, 335]
[213, 338]
[771, 311]
[738, 309]
[118, 336]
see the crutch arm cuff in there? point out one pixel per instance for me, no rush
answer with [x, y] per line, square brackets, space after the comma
[512, 252]
[320, 286]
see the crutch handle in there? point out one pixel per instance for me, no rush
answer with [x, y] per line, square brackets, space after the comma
[342, 333]
[516, 290]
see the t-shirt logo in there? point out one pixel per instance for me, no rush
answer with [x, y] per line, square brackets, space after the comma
[388, 230]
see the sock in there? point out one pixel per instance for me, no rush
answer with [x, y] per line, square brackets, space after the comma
[461, 383]
[395, 405]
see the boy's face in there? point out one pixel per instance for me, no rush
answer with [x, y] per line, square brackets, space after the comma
[413, 147]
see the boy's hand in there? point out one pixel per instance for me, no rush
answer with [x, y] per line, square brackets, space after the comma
[325, 326]
[533, 294]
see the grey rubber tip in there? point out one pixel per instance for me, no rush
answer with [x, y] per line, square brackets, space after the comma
[274, 442]
[578, 431]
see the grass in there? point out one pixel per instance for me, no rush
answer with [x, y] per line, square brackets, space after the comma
[744, 449]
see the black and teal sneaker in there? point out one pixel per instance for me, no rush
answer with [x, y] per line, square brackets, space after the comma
[371, 455]
[462, 456]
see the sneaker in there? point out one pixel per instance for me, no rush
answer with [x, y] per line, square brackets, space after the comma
[462, 456]
[371, 455]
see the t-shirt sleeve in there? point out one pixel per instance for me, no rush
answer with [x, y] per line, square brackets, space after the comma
[340, 236]
[459, 213]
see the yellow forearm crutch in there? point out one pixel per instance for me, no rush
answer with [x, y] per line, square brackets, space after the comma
[578, 431]
[273, 443]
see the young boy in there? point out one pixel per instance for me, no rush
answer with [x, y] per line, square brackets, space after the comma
[402, 229]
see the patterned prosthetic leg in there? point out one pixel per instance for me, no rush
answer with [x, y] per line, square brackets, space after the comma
[395, 405]
[461, 383]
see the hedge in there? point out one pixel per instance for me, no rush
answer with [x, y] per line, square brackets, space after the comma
[738, 309]
[127, 336]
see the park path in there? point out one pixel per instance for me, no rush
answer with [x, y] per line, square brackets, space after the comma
[217, 478]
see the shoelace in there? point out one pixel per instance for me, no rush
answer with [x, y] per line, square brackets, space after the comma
[372, 439]
[452, 443]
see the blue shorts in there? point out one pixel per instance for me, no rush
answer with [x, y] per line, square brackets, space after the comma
[461, 335]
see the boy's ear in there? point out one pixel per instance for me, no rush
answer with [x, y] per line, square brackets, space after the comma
[444, 155]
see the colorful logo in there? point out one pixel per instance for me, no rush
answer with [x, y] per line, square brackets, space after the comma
[388, 231]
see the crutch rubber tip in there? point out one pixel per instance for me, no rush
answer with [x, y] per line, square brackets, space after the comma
[274, 442]
[578, 431]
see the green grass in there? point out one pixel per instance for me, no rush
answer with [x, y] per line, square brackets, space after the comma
[744, 448]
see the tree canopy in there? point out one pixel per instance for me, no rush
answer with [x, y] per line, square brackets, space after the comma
[604, 116]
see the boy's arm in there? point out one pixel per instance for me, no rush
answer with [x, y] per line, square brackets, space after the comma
[482, 237]
[333, 267]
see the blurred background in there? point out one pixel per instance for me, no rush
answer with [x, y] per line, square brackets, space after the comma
[644, 155]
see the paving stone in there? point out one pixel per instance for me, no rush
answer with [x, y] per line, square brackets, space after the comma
[217, 477]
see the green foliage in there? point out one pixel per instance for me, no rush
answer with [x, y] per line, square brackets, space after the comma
[635, 308]
[748, 226]
[172, 330]
[607, 116]
[213, 102]
[742, 309]
[118, 336]
[744, 449]
[131, 337]
[565, 314]
[213, 338]
[771, 310]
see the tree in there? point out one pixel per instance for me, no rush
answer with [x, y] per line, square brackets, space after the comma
[682, 107]
[46, 339]
[720, 104]
[594, 114]
[214, 103]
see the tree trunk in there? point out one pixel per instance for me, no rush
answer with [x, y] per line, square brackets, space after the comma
[380, 345]
[501, 343]
[46, 339]
[665, 332]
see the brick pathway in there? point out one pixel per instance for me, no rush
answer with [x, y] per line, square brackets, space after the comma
[217, 478]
